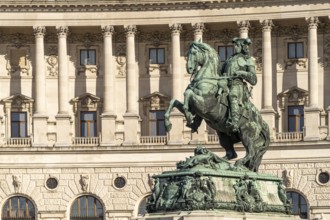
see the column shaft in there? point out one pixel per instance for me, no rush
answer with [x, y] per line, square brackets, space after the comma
[131, 78]
[313, 65]
[109, 76]
[176, 64]
[267, 68]
[63, 79]
[40, 77]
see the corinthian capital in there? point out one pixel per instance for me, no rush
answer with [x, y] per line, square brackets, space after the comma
[243, 25]
[130, 30]
[175, 28]
[107, 30]
[312, 22]
[198, 28]
[62, 31]
[39, 31]
[267, 25]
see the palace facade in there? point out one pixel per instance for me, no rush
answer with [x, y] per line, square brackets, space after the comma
[85, 84]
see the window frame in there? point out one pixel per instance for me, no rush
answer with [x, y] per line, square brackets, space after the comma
[300, 197]
[87, 50]
[157, 51]
[295, 48]
[27, 211]
[81, 122]
[158, 121]
[95, 209]
[297, 118]
[226, 51]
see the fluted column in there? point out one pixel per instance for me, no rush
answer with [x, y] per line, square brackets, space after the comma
[198, 29]
[176, 133]
[177, 74]
[40, 115]
[131, 117]
[108, 117]
[312, 112]
[63, 125]
[63, 78]
[40, 73]
[268, 113]
[243, 27]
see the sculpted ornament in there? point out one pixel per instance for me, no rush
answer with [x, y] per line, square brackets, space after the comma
[52, 61]
[17, 182]
[84, 182]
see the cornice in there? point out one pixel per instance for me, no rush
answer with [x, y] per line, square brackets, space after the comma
[142, 5]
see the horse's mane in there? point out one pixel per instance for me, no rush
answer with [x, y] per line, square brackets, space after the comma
[209, 51]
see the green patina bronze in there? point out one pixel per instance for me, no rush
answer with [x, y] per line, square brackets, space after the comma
[221, 97]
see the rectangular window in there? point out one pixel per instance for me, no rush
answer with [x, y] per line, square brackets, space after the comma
[87, 57]
[295, 50]
[225, 52]
[157, 55]
[18, 124]
[296, 118]
[157, 123]
[88, 124]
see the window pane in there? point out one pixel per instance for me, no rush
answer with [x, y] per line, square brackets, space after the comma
[153, 128]
[91, 207]
[83, 210]
[160, 114]
[153, 115]
[230, 51]
[15, 116]
[222, 53]
[291, 50]
[292, 124]
[83, 57]
[161, 128]
[74, 209]
[18, 206]
[161, 55]
[84, 129]
[92, 57]
[153, 55]
[87, 204]
[300, 50]
[88, 116]
[23, 132]
[15, 130]
[92, 129]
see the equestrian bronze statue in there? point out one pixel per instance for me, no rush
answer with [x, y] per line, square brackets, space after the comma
[221, 97]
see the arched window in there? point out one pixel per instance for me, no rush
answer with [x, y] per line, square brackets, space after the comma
[299, 204]
[143, 206]
[87, 208]
[18, 208]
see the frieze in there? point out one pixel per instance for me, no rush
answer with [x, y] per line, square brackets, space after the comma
[225, 35]
[86, 39]
[294, 32]
[156, 37]
[327, 52]
[17, 40]
[257, 54]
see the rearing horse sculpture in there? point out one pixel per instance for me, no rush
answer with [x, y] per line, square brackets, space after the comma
[206, 99]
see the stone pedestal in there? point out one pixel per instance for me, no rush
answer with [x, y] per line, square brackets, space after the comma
[311, 123]
[131, 129]
[40, 131]
[175, 136]
[216, 215]
[63, 128]
[269, 116]
[108, 124]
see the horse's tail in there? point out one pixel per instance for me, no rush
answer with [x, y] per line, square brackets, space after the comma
[254, 163]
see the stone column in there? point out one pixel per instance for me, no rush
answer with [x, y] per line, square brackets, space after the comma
[243, 27]
[312, 112]
[40, 117]
[201, 136]
[131, 117]
[63, 137]
[108, 117]
[176, 134]
[198, 29]
[268, 113]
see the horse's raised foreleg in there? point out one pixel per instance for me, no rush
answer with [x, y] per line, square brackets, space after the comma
[173, 103]
[187, 95]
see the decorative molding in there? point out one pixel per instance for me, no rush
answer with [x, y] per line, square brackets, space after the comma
[175, 28]
[287, 176]
[295, 32]
[198, 28]
[154, 101]
[293, 96]
[266, 25]
[17, 183]
[130, 30]
[39, 31]
[18, 60]
[86, 101]
[312, 22]
[300, 63]
[257, 54]
[156, 37]
[326, 52]
[52, 67]
[86, 39]
[17, 40]
[107, 30]
[62, 31]
[121, 60]
[84, 182]
[225, 35]
[243, 26]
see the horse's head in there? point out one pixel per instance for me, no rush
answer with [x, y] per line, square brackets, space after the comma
[199, 54]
